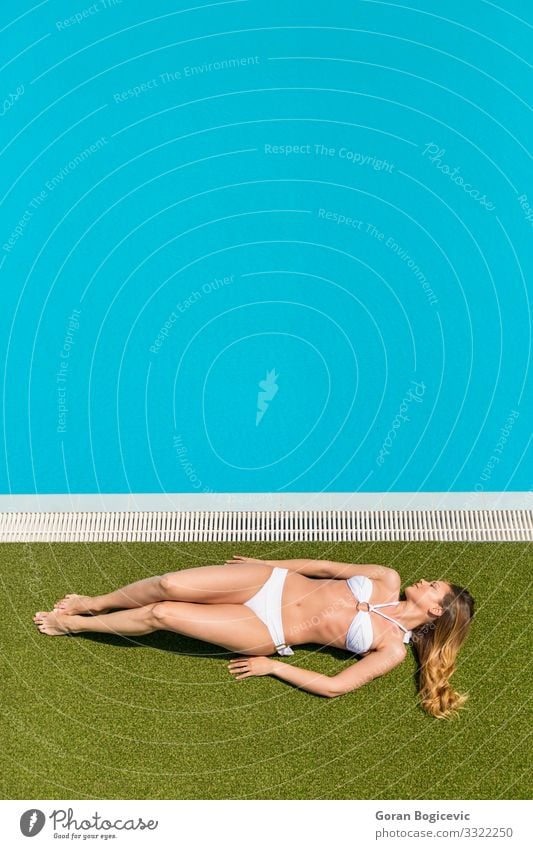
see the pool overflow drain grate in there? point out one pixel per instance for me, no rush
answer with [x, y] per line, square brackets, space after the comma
[282, 525]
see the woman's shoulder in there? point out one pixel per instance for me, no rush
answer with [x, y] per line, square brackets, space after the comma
[385, 584]
[387, 577]
[392, 578]
[376, 580]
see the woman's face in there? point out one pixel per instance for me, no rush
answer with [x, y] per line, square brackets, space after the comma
[428, 594]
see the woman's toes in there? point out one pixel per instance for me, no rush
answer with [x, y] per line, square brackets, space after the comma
[74, 603]
[53, 624]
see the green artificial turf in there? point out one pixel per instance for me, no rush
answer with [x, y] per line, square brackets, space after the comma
[160, 717]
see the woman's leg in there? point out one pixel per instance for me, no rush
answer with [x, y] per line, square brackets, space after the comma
[219, 584]
[138, 594]
[232, 626]
[128, 623]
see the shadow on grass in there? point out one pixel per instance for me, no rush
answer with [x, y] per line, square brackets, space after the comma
[173, 643]
[180, 644]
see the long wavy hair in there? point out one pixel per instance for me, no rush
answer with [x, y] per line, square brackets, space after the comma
[437, 644]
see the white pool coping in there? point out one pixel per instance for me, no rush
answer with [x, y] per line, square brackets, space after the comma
[282, 517]
[268, 501]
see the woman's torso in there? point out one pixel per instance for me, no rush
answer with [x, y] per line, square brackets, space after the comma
[321, 610]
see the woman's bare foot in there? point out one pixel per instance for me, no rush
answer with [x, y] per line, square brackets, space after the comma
[73, 604]
[54, 624]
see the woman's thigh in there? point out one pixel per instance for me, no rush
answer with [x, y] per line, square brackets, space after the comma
[233, 584]
[232, 626]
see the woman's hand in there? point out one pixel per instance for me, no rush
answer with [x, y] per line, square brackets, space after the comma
[244, 667]
[238, 559]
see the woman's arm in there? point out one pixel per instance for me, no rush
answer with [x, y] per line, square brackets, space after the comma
[325, 568]
[311, 568]
[313, 682]
[305, 679]
[365, 670]
[333, 569]
[373, 665]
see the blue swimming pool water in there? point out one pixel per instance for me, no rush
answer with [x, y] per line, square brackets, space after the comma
[253, 247]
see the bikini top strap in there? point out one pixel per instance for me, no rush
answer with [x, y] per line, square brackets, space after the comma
[383, 604]
[408, 633]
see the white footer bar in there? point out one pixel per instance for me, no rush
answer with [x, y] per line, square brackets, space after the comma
[261, 824]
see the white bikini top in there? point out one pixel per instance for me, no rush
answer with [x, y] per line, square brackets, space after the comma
[360, 635]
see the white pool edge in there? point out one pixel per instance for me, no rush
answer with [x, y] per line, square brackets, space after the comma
[282, 517]
[246, 501]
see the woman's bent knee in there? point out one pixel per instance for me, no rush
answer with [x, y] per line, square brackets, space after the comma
[160, 613]
[168, 583]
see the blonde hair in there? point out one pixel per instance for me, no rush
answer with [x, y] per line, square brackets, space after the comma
[437, 644]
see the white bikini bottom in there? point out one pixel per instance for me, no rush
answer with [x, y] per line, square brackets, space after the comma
[266, 604]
